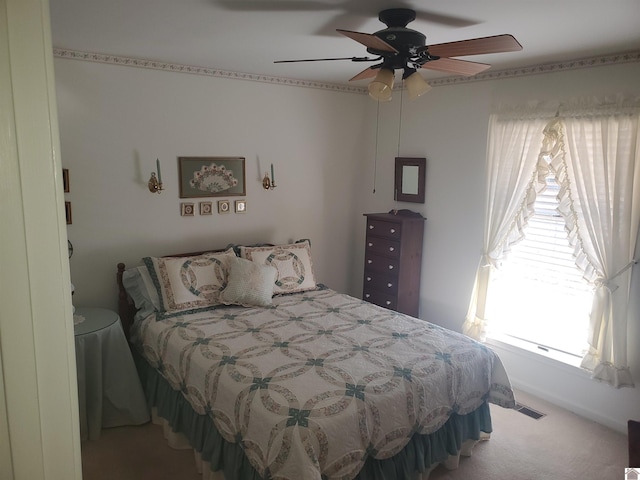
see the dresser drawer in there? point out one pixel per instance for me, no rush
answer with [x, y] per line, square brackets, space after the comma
[384, 229]
[382, 246]
[379, 298]
[383, 283]
[381, 264]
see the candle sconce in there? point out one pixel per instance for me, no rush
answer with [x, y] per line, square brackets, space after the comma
[155, 182]
[155, 186]
[269, 183]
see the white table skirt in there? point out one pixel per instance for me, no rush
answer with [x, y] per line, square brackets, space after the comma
[109, 390]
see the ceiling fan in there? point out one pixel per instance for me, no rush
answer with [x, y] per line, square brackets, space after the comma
[400, 48]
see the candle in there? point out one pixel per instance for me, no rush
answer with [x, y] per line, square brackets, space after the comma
[158, 167]
[272, 177]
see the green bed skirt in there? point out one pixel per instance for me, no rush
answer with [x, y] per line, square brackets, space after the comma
[420, 453]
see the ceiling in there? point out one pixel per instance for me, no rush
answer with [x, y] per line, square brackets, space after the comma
[246, 36]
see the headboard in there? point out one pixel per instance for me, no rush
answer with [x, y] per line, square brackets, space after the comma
[126, 308]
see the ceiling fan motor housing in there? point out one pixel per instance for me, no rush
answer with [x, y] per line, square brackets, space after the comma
[406, 41]
[397, 17]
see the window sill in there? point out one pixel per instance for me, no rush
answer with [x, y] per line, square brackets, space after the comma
[517, 346]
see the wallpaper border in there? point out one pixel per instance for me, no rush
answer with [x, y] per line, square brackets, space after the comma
[589, 62]
[196, 70]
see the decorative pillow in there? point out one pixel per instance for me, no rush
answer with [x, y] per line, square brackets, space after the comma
[293, 262]
[140, 288]
[189, 283]
[250, 284]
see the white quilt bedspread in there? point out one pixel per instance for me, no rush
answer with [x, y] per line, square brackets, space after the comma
[319, 381]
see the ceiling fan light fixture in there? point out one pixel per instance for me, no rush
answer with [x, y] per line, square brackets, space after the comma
[416, 85]
[381, 87]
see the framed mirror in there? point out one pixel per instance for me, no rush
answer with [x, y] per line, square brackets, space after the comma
[410, 176]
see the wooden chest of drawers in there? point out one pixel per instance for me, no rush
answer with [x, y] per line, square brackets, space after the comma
[393, 260]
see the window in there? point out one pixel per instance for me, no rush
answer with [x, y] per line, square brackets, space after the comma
[591, 145]
[539, 295]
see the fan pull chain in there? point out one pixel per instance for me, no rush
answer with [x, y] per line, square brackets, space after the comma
[375, 158]
[400, 121]
[395, 192]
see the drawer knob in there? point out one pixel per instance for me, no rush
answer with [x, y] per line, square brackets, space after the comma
[368, 279]
[367, 295]
[389, 284]
[370, 227]
[388, 302]
[391, 249]
[393, 230]
[370, 244]
[390, 267]
[369, 262]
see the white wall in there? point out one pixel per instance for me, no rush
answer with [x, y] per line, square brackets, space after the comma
[449, 126]
[115, 121]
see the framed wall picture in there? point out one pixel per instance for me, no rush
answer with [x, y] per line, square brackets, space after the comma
[67, 212]
[410, 176]
[206, 208]
[211, 176]
[241, 206]
[187, 209]
[224, 206]
[65, 179]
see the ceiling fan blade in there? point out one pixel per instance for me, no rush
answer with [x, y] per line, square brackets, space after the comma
[475, 46]
[353, 59]
[453, 65]
[442, 19]
[367, 73]
[368, 40]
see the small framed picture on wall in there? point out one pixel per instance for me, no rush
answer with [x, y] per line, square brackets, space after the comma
[224, 206]
[67, 212]
[65, 179]
[206, 208]
[241, 206]
[187, 209]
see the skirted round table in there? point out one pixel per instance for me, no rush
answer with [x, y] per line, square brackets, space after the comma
[109, 389]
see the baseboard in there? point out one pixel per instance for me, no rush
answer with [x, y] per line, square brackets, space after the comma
[567, 405]
[545, 393]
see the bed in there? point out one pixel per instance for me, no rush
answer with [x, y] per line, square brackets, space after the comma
[271, 375]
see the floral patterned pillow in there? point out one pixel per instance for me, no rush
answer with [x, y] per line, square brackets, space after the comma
[293, 262]
[189, 283]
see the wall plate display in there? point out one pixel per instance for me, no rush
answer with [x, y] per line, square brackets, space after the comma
[187, 209]
[241, 206]
[206, 208]
[224, 206]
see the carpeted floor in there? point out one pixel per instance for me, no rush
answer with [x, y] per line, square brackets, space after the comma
[558, 446]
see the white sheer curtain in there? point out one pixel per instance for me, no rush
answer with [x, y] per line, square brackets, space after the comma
[594, 149]
[600, 201]
[513, 151]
